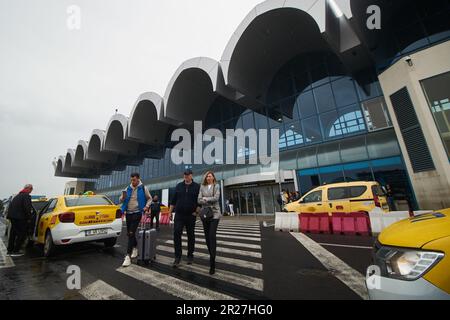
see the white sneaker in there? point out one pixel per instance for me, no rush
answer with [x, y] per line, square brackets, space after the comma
[134, 254]
[127, 262]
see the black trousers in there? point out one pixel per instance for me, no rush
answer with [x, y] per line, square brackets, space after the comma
[17, 235]
[180, 222]
[210, 229]
[154, 215]
[133, 221]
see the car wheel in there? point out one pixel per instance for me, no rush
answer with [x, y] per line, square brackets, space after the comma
[49, 246]
[109, 243]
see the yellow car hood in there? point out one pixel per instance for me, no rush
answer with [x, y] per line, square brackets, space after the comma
[417, 232]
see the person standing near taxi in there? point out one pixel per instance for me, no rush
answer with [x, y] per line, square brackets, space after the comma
[19, 210]
[136, 201]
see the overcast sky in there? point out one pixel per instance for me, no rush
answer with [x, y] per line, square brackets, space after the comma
[57, 85]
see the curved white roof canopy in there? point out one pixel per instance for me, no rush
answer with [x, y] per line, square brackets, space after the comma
[144, 125]
[276, 31]
[192, 90]
[94, 151]
[115, 137]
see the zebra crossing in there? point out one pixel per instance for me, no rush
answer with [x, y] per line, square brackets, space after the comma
[239, 268]
[5, 261]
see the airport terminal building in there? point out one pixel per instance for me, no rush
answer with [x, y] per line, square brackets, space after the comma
[356, 93]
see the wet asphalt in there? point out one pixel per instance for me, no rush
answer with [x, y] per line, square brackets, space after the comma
[289, 270]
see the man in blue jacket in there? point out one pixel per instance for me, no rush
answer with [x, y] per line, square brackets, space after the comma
[136, 200]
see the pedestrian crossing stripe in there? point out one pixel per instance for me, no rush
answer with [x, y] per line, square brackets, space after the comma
[223, 275]
[173, 286]
[228, 243]
[233, 230]
[226, 250]
[226, 236]
[5, 261]
[100, 290]
[231, 261]
[233, 233]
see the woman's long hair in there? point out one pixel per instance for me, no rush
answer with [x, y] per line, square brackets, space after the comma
[205, 182]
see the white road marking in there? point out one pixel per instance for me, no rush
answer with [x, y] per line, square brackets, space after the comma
[256, 232]
[8, 261]
[344, 246]
[231, 261]
[226, 276]
[228, 243]
[349, 276]
[219, 235]
[226, 250]
[172, 285]
[233, 233]
[100, 290]
[243, 225]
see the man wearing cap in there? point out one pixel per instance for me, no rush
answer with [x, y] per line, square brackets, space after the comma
[185, 204]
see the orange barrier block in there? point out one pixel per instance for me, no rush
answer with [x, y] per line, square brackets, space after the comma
[164, 219]
[355, 223]
[314, 223]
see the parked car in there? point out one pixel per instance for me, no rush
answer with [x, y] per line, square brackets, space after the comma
[342, 197]
[413, 257]
[67, 220]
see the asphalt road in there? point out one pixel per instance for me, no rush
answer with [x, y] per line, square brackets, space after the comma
[253, 263]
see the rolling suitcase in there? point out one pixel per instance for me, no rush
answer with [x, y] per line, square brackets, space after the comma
[146, 243]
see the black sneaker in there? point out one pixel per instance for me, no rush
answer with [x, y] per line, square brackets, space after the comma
[190, 260]
[176, 263]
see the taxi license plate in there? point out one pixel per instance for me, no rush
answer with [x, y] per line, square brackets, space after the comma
[98, 232]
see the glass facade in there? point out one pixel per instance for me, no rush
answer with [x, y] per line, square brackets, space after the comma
[332, 127]
[437, 91]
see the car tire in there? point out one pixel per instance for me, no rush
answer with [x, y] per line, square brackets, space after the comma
[49, 246]
[109, 243]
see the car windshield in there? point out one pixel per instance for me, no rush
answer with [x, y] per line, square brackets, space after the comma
[86, 201]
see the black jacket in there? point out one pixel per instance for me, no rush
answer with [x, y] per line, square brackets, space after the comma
[20, 207]
[155, 207]
[185, 199]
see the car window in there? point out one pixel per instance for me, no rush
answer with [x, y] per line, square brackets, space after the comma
[39, 205]
[87, 201]
[377, 191]
[337, 193]
[51, 206]
[315, 196]
[356, 192]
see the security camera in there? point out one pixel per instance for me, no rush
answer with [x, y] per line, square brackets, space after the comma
[408, 60]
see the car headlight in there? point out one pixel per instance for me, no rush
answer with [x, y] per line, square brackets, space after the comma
[406, 264]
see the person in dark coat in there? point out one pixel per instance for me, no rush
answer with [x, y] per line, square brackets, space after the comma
[155, 210]
[184, 204]
[19, 211]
